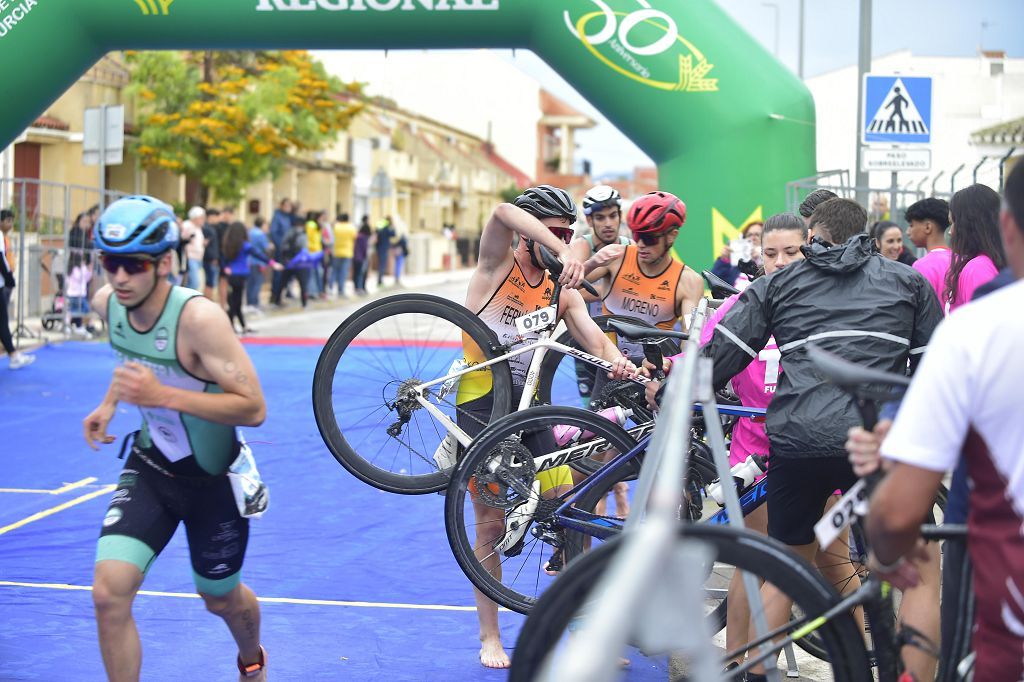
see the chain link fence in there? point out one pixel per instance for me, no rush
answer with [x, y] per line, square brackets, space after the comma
[890, 202]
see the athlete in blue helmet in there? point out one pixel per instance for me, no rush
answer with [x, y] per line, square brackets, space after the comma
[183, 366]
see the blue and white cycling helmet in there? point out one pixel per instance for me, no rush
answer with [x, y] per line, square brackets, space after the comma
[599, 197]
[137, 224]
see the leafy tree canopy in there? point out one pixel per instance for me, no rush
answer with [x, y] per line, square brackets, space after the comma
[229, 119]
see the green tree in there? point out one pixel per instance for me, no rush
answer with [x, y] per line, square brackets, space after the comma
[229, 119]
[509, 194]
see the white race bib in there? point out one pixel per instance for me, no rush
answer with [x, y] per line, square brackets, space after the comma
[839, 517]
[531, 323]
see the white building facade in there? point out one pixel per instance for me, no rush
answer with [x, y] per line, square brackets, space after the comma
[473, 90]
[968, 94]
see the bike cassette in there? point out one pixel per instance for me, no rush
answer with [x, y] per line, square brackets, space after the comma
[506, 475]
[405, 404]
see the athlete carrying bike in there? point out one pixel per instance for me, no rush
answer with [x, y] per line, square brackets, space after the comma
[643, 280]
[508, 283]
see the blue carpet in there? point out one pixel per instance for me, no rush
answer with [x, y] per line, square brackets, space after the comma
[326, 536]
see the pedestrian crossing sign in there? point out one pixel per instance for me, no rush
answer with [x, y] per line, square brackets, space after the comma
[897, 110]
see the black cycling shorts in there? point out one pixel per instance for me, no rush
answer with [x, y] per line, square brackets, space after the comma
[798, 488]
[147, 507]
[473, 416]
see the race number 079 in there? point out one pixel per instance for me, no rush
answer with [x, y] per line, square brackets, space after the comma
[538, 319]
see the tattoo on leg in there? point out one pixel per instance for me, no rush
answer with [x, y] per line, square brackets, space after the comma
[250, 624]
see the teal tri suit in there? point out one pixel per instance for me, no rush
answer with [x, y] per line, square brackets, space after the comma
[176, 471]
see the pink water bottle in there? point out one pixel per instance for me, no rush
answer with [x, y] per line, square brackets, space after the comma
[567, 435]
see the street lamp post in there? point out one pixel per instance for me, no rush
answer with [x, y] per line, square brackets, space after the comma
[800, 44]
[863, 67]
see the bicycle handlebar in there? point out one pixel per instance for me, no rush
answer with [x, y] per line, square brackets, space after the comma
[554, 267]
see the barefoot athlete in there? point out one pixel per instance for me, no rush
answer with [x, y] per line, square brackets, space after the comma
[193, 383]
[508, 283]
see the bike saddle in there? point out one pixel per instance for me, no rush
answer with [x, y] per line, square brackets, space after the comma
[554, 266]
[846, 374]
[636, 332]
[718, 286]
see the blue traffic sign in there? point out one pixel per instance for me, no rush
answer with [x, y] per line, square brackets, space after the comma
[897, 110]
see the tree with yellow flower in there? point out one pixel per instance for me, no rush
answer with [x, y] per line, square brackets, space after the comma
[229, 119]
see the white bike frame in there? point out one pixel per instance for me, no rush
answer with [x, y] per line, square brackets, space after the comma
[540, 347]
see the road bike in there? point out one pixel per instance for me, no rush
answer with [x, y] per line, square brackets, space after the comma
[819, 612]
[386, 385]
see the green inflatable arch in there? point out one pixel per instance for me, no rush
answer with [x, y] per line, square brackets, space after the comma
[725, 122]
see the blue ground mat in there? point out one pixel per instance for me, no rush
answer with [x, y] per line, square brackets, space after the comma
[326, 541]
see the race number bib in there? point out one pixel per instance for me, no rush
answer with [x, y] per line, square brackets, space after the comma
[838, 518]
[531, 323]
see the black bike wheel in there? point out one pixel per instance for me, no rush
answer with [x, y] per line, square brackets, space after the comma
[545, 630]
[847, 567]
[514, 579]
[561, 380]
[361, 397]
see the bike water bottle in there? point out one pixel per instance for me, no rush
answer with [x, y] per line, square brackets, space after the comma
[566, 435]
[743, 474]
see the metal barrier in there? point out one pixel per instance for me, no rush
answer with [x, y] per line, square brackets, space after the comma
[44, 214]
[650, 561]
[942, 184]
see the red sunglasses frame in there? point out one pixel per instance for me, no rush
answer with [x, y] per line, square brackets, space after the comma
[563, 233]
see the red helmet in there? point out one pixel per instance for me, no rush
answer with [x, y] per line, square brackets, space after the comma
[656, 212]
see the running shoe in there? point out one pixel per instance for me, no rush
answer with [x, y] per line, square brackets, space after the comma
[21, 360]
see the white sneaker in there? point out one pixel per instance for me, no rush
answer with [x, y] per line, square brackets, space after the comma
[21, 360]
[80, 332]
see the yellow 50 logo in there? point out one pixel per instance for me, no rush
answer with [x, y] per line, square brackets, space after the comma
[614, 45]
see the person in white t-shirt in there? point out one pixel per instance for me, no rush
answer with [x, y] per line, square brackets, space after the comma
[965, 401]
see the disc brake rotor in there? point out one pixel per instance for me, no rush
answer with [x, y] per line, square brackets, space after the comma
[505, 476]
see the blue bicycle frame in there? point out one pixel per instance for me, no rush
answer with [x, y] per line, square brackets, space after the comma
[603, 527]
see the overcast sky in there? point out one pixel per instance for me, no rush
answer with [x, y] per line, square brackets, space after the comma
[926, 27]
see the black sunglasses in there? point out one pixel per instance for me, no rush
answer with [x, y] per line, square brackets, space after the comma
[646, 238]
[132, 265]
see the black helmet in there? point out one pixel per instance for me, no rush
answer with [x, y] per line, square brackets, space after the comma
[545, 201]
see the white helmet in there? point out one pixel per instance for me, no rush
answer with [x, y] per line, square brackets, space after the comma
[600, 196]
